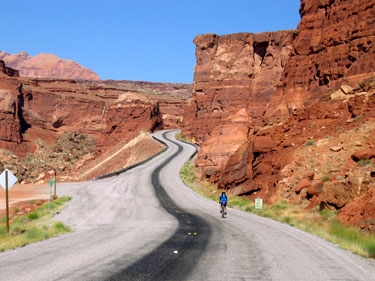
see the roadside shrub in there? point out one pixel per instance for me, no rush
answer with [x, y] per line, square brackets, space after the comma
[33, 216]
[283, 205]
[3, 230]
[16, 227]
[309, 142]
[370, 248]
[60, 227]
[288, 220]
[343, 232]
[249, 208]
[240, 202]
[33, 234]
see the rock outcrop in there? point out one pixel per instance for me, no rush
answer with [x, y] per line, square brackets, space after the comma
[234, 72]
[37, 113]
[335, 45]
[47, 66]
[4, 70]
[295, 88]
[361, 211]
[10, 98]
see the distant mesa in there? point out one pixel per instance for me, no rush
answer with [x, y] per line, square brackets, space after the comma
[47, 66]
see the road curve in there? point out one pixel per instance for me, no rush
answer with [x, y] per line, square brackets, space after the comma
[122, 231]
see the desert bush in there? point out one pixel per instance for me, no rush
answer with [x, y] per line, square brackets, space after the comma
[364, 162]
[370, 248]
[17, 227]
[343, 232]
[325, 178]
[33, 216]
[368, 83]
[289, 220]
[309, 142]
[60, 227]
[34, 234]
[3, 230]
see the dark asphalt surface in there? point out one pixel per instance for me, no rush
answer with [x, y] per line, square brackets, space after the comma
[176, 257]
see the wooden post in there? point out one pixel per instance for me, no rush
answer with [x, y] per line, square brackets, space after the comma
[54, 186]
[7, 199]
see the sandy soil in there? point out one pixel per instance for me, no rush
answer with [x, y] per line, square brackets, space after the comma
[24, 198]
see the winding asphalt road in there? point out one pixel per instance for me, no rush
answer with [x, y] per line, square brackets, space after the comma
[145, 224]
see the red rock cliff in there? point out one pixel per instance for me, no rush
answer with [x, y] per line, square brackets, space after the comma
[233, 72]
[10, 129]
[243, 81]
[112, 112]
[335, 44]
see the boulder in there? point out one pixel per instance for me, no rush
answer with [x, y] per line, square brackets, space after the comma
[336, 194]
[304, 183]
[315, 188]
[346, 89]
[361, 211]
[363, 154]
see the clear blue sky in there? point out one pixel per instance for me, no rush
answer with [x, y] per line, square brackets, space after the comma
[144, 40]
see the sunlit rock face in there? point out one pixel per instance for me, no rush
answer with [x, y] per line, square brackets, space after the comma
[233, 72]
[335, 45]
[112, 112]
[258, 97]
[47, 66]
[234, 79]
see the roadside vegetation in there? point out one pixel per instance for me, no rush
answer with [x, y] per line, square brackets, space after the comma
[321, 223]
[34, 226]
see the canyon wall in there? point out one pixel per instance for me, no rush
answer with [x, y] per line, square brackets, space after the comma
[243, 82]
[335, 45]
[234, 72]
[112, 112]
[10, 129]
[234, 80]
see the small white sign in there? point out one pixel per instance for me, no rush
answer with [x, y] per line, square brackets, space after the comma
[11, 179]
[258, 203]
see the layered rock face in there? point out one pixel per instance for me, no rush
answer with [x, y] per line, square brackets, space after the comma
[47, 66]
[10, 130]
[335, 45]
[235, 77]
[7, 70]
[244, 81]
[234, 72]
[113, 112]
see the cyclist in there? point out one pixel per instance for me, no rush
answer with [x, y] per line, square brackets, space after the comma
[223, 202]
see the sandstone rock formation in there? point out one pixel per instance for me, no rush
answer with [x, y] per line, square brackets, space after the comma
[234, 72]
[335, 45]
[36, 113]
[315, 83]
[10, 129]
[361, 211]
[7, 70]
[47, 66]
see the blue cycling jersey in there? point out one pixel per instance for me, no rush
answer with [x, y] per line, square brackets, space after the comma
[223, 199]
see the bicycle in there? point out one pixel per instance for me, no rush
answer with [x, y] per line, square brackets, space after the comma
[222, 211]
